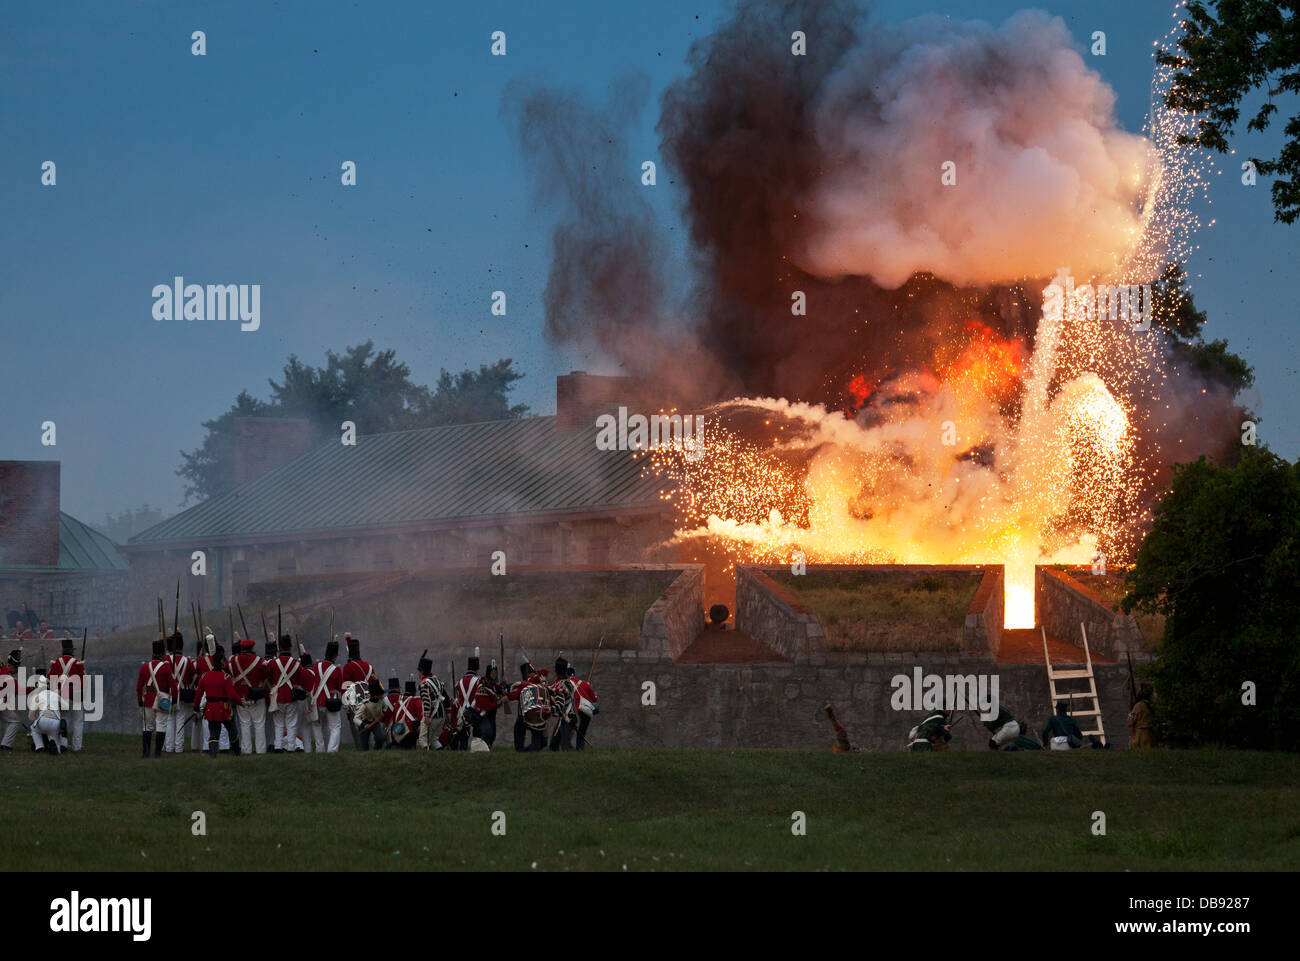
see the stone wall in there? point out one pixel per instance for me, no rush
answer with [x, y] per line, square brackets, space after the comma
[71, 601]
[29, 512]
[763, 706]
[1062, 604]
[982, 631]
[769, 613]
[675, 620]
[595, 541]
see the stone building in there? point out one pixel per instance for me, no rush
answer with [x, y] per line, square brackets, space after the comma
[536, 488]
[52, 564]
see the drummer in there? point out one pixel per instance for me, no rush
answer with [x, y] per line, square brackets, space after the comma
[534, 708]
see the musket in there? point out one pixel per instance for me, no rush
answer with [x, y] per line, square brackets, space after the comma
[595, 658]
[279, 624]
[162, 621]
[84, 632]
[230, 615]
[426, 650]
[266, 634]
[501, 639]
[241, 620]
[176, 612]
[202, 625]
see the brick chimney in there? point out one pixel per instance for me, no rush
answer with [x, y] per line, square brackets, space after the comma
[264, 443]
[29, 512]
[579, 396]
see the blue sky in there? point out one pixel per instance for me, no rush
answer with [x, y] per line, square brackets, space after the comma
[225, 169]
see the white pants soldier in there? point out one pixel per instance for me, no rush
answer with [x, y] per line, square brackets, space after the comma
[326, 729]
[252, 726]
[76, 718]
[179, 721]
[307, 720]
[153, 721]
[197, 732]
[286, 726]
[10, 721]
[46, 729]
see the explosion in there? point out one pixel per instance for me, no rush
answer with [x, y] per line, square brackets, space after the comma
[958, 390]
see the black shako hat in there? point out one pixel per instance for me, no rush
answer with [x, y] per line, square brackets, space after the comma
[159, 650]
[410, 689]
[331, 650]
[286, 642]
[68, 647]
[270, 649]
[394, 685]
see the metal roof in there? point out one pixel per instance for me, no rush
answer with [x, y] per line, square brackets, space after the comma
[81, 548]
[523, 466]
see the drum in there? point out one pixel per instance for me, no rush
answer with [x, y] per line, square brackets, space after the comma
[530, 707]
[355, 695]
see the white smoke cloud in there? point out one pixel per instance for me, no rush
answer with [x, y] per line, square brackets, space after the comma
[1045, 176]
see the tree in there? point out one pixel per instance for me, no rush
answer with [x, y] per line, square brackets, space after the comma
[120, 528]
[1228, 49]
[368, 387]
[1174, 311]
[1220, 564]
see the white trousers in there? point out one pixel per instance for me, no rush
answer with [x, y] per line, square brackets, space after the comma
[326, 729]
[252, 726]
[1006, 733]
[10, 720]
[177, 728]
[46, 729]
[286, 726]
[76, 719]
[153, 720]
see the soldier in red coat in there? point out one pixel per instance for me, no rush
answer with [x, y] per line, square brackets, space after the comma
[534, 708]
[200, 664]
[327, 696]
[68, 678]
[153, 692]
[248, 674]
[285, 693]
[216, 693]
[182, 694]
[474, 706]
[405, 729]
[9, 692]
[356, 670]
[308, 716]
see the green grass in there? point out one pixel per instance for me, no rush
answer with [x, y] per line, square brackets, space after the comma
[446, 611]
[651, 810]
[886, 611]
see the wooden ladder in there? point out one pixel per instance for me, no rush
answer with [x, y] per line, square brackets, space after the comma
[1054, 675]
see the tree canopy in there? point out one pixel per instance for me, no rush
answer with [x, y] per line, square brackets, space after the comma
[368, 387]
[1227, 50]
[1220, 563]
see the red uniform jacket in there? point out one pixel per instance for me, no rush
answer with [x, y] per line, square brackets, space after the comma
[7, 683]
[183, 673]
[217, 687]
[358, 670]
[390, 710]
[307, 678]
[155, 678]
[66, 666]
[408, 710]
[246, 670]
[329, 682]
[480, 696]
[283, 671]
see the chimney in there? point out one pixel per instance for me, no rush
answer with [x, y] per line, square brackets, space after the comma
[579, 396]
[264, 443]
[29, 512]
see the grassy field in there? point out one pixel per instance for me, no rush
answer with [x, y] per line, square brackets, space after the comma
[650, 811]
[886, 611]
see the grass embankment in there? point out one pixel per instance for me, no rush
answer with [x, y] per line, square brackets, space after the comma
[886, 611]
[650, 810]
[448, 611]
